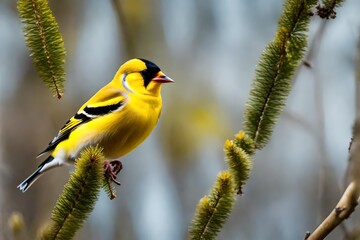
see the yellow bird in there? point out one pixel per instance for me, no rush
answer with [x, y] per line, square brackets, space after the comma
[117, 118]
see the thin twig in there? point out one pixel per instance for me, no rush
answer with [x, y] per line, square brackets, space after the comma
[349, 199]
[342, 211]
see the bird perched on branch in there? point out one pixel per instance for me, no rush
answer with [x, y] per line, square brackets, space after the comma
[117, 118]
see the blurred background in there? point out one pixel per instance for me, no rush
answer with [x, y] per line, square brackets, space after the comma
[210, 49]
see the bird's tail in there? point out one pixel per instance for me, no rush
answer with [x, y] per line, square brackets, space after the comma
[44, 166]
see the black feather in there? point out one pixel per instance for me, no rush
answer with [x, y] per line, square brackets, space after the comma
[99, 111]
[32, 178]
[150, 72]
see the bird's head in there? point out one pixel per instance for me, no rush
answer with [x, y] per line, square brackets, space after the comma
[141, 76]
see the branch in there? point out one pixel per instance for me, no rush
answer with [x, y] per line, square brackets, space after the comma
[238, 160]
[327, 9]
[45, 43]
[342, 211]
[349, 200]
[79, 196]
[277, 65]
[213, 209]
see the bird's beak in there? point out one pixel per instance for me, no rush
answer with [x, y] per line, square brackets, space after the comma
[162, 78]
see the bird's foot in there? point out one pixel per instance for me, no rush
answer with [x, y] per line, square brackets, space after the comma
[117, 166]
[112, 169]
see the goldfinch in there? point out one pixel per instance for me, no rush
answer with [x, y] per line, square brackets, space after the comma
[118, 118]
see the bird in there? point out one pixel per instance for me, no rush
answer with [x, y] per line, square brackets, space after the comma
[118, 118]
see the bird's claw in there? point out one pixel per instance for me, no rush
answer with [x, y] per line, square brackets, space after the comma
[112, 169]
[116, 166]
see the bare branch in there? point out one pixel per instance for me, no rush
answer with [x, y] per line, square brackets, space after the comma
[349, 200]
[342, 211]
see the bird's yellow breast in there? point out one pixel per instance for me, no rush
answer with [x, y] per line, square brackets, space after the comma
[119, 132]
